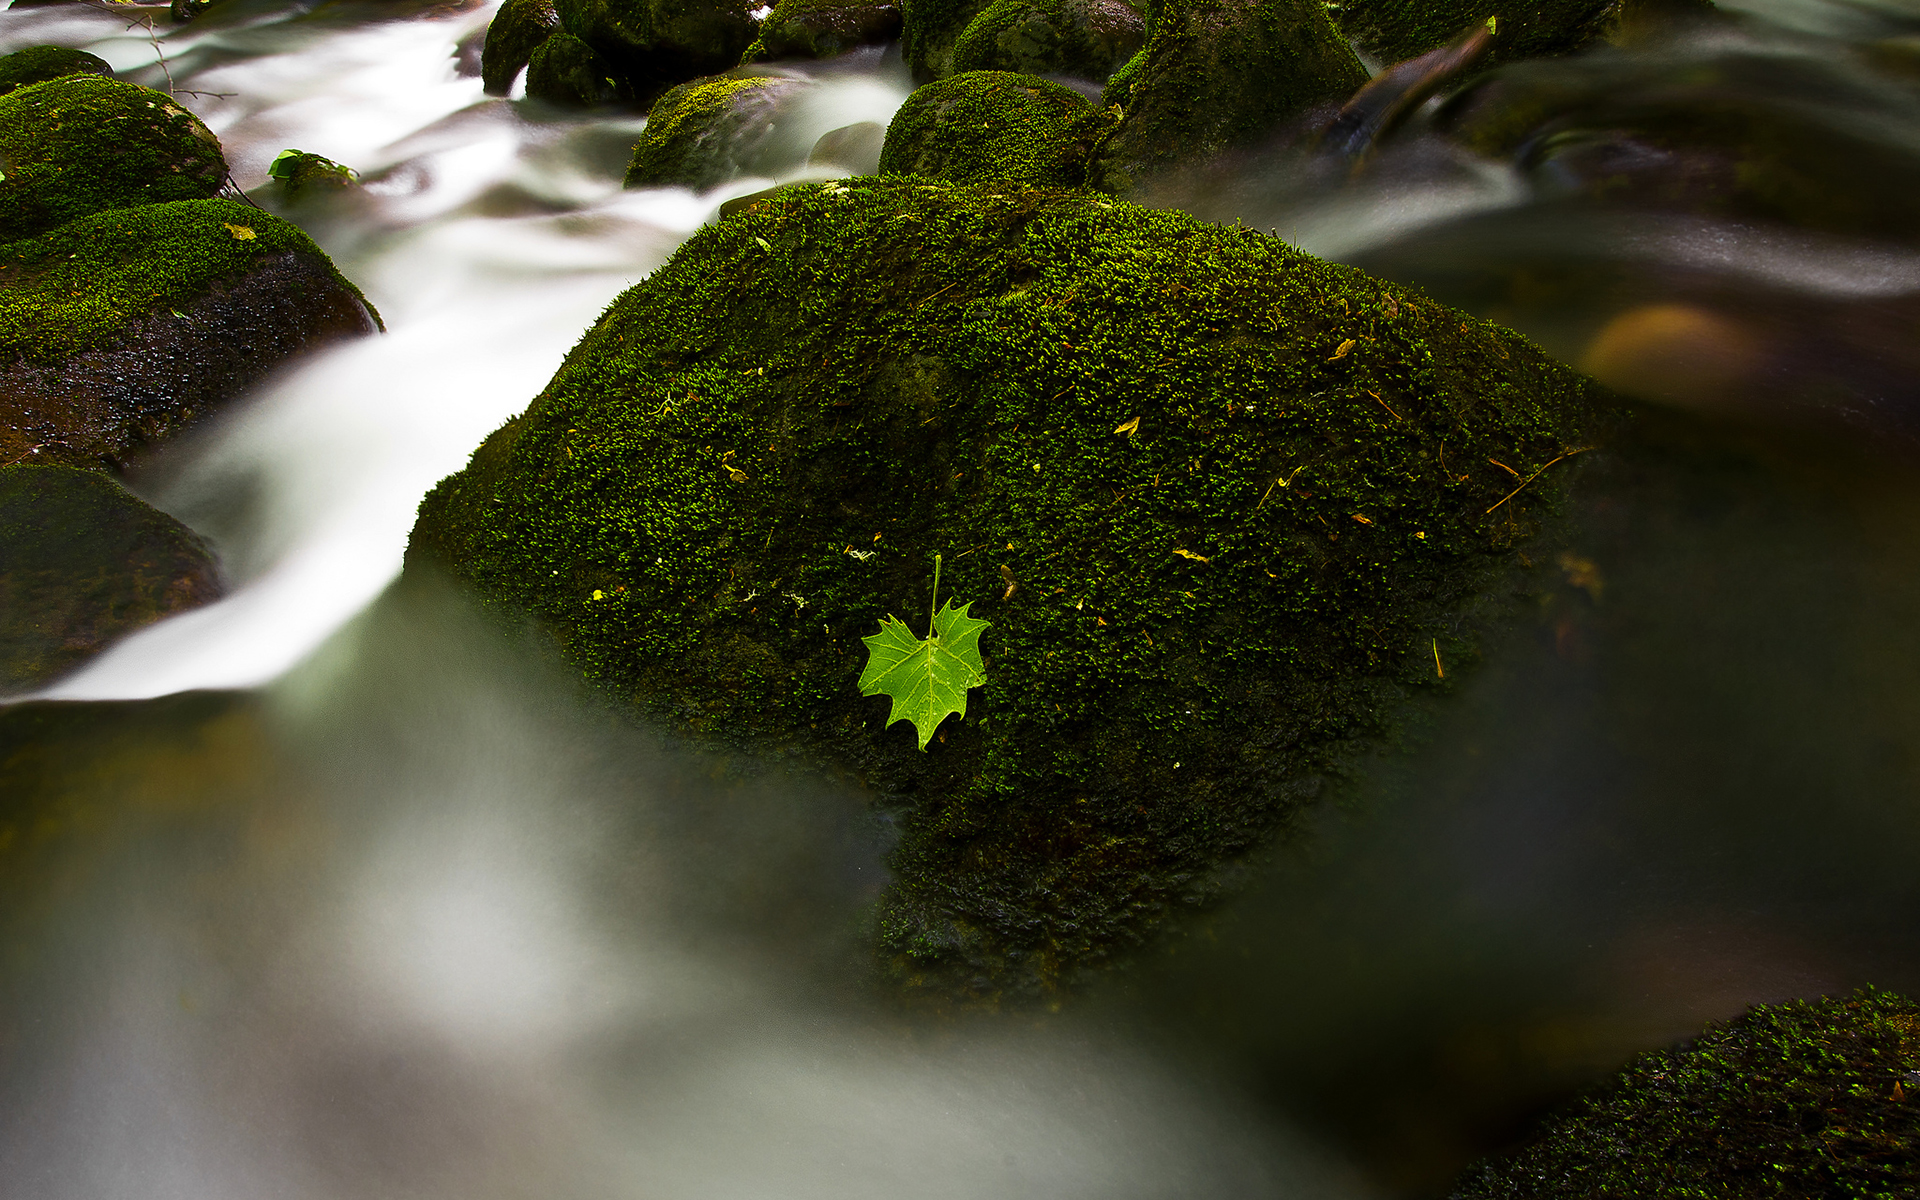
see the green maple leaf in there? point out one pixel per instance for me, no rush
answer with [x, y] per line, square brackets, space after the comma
[926, 678]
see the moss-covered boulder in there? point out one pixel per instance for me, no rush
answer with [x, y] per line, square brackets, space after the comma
[77, 145]
[824, 28]
[1224, 75]
[928, 31]
[564, 70]
[1217, 499]
[1790, 1100]
[122, 327]
[651, 45]
[1393, 30]
[37, 64]
[701, 134]
[1084, 39]
[515, 32]
[993, 125]
[82, 562]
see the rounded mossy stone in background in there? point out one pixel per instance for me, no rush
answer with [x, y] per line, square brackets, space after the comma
[1391, 31]
[516, 30]
[37, 64]
[651, 45]
[1217, 499]
[824, 28]
[928, 31]
[120, 328]
[1083, 39]
[304, 177]
[854, 148]
[564, 70]
[701, 134]
[82, 562]
[993, 125]
[1817, 1098]
[1224, 75]
[78, 145]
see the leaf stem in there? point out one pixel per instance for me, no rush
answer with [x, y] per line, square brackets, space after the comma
[934, 604]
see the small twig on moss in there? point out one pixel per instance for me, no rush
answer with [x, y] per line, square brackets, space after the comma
[1529, 479]
[35, 450]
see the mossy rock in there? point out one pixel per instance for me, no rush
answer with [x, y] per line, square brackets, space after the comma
[993, 125]
[701, 134]
[1225, 75]
[83, 562]
[1816, 1098]
[515, 32]
[651, 45]
[1203, 486]
[120, 328]
[1390, 31]
[37, 64]
[80, 144]
[824, 28]
[929, 30]
[1084, 39]
[564, 70]
[302, 177]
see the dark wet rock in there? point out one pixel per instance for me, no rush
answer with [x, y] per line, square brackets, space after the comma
[121, 328]
[992, 125]
[304, 177]
[929, 30]
[824, 28]
[856, 147]
[1393, 30]
[651, 45]
[512, 36]
[80, 144]
[701, 134]
[82, 563]
[1224, 75]
[1083, 39]
[1212, 494]
[564, 70]
[37, 64]
[1798, 1099]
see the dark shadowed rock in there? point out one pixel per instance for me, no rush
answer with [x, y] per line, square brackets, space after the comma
[566, 71]
[651, 45]
[824, 28]
[992, 125]
[512, 36]
[1083, 39]
[701, 134]
[37, 64]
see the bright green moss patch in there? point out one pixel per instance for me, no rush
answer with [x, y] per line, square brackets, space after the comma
[37, 64]
[1792, 1100]
[1222, 503]
[993, 125]
[74, 288]
[77, 145]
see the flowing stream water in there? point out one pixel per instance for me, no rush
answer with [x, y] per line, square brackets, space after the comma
[326, 892]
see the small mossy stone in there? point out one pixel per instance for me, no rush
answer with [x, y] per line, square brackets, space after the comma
[649, 46]
[302, 177]
[515, 32]
[37, 64]
[1225, 75]
[928, 31]
[701, 134]
[83, 562]
[1817, 1098]
[993, 125]
[1082, 39]
[81, 144]
[565, 71]
[825, 28]
[1208, 490]
[856, 148]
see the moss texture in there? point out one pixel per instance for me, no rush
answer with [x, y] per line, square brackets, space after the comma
[76, 287]
[1084, 39]
[651, 45]
[37, 64]
[992, 125]
[701, 134]
[1224, 75]
[929, 29]
[1223, 504]
[515, 32]
[77, 145]
[823, 28]
[1792, 1100]
[83, 562]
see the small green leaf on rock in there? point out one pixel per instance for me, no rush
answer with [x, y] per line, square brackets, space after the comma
[926, 678]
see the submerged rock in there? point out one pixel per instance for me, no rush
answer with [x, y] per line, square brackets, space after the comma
[78, 145]
[824, 28]
[119, 329]
[83, 562]
[1816, 1098]
[304, 177]
[985, 126]
[701, 134]
[1223, 504]
[37, 64]
[1084, 39]
[512, 36]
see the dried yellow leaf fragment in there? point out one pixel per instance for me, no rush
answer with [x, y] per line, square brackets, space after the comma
[241, 233]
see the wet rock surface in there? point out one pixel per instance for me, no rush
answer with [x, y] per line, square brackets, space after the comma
[1083, 39]
[703, 133]
[824, 28]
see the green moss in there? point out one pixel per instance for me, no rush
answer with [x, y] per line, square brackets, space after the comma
[993, 125]
[650, 45]
[303, 176]
[1084, 39]
[80, 144]
[566, 71]
[74, 288]
[1198, 618]
[516, 30]
[929, 29]
[702, 133]
[1791, 1100]
[1393, 30]
[37, 64]
[824, 28]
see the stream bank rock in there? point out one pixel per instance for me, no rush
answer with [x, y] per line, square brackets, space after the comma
[635, 50]
[1225, 506]
[515, 32]
[83, 562]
